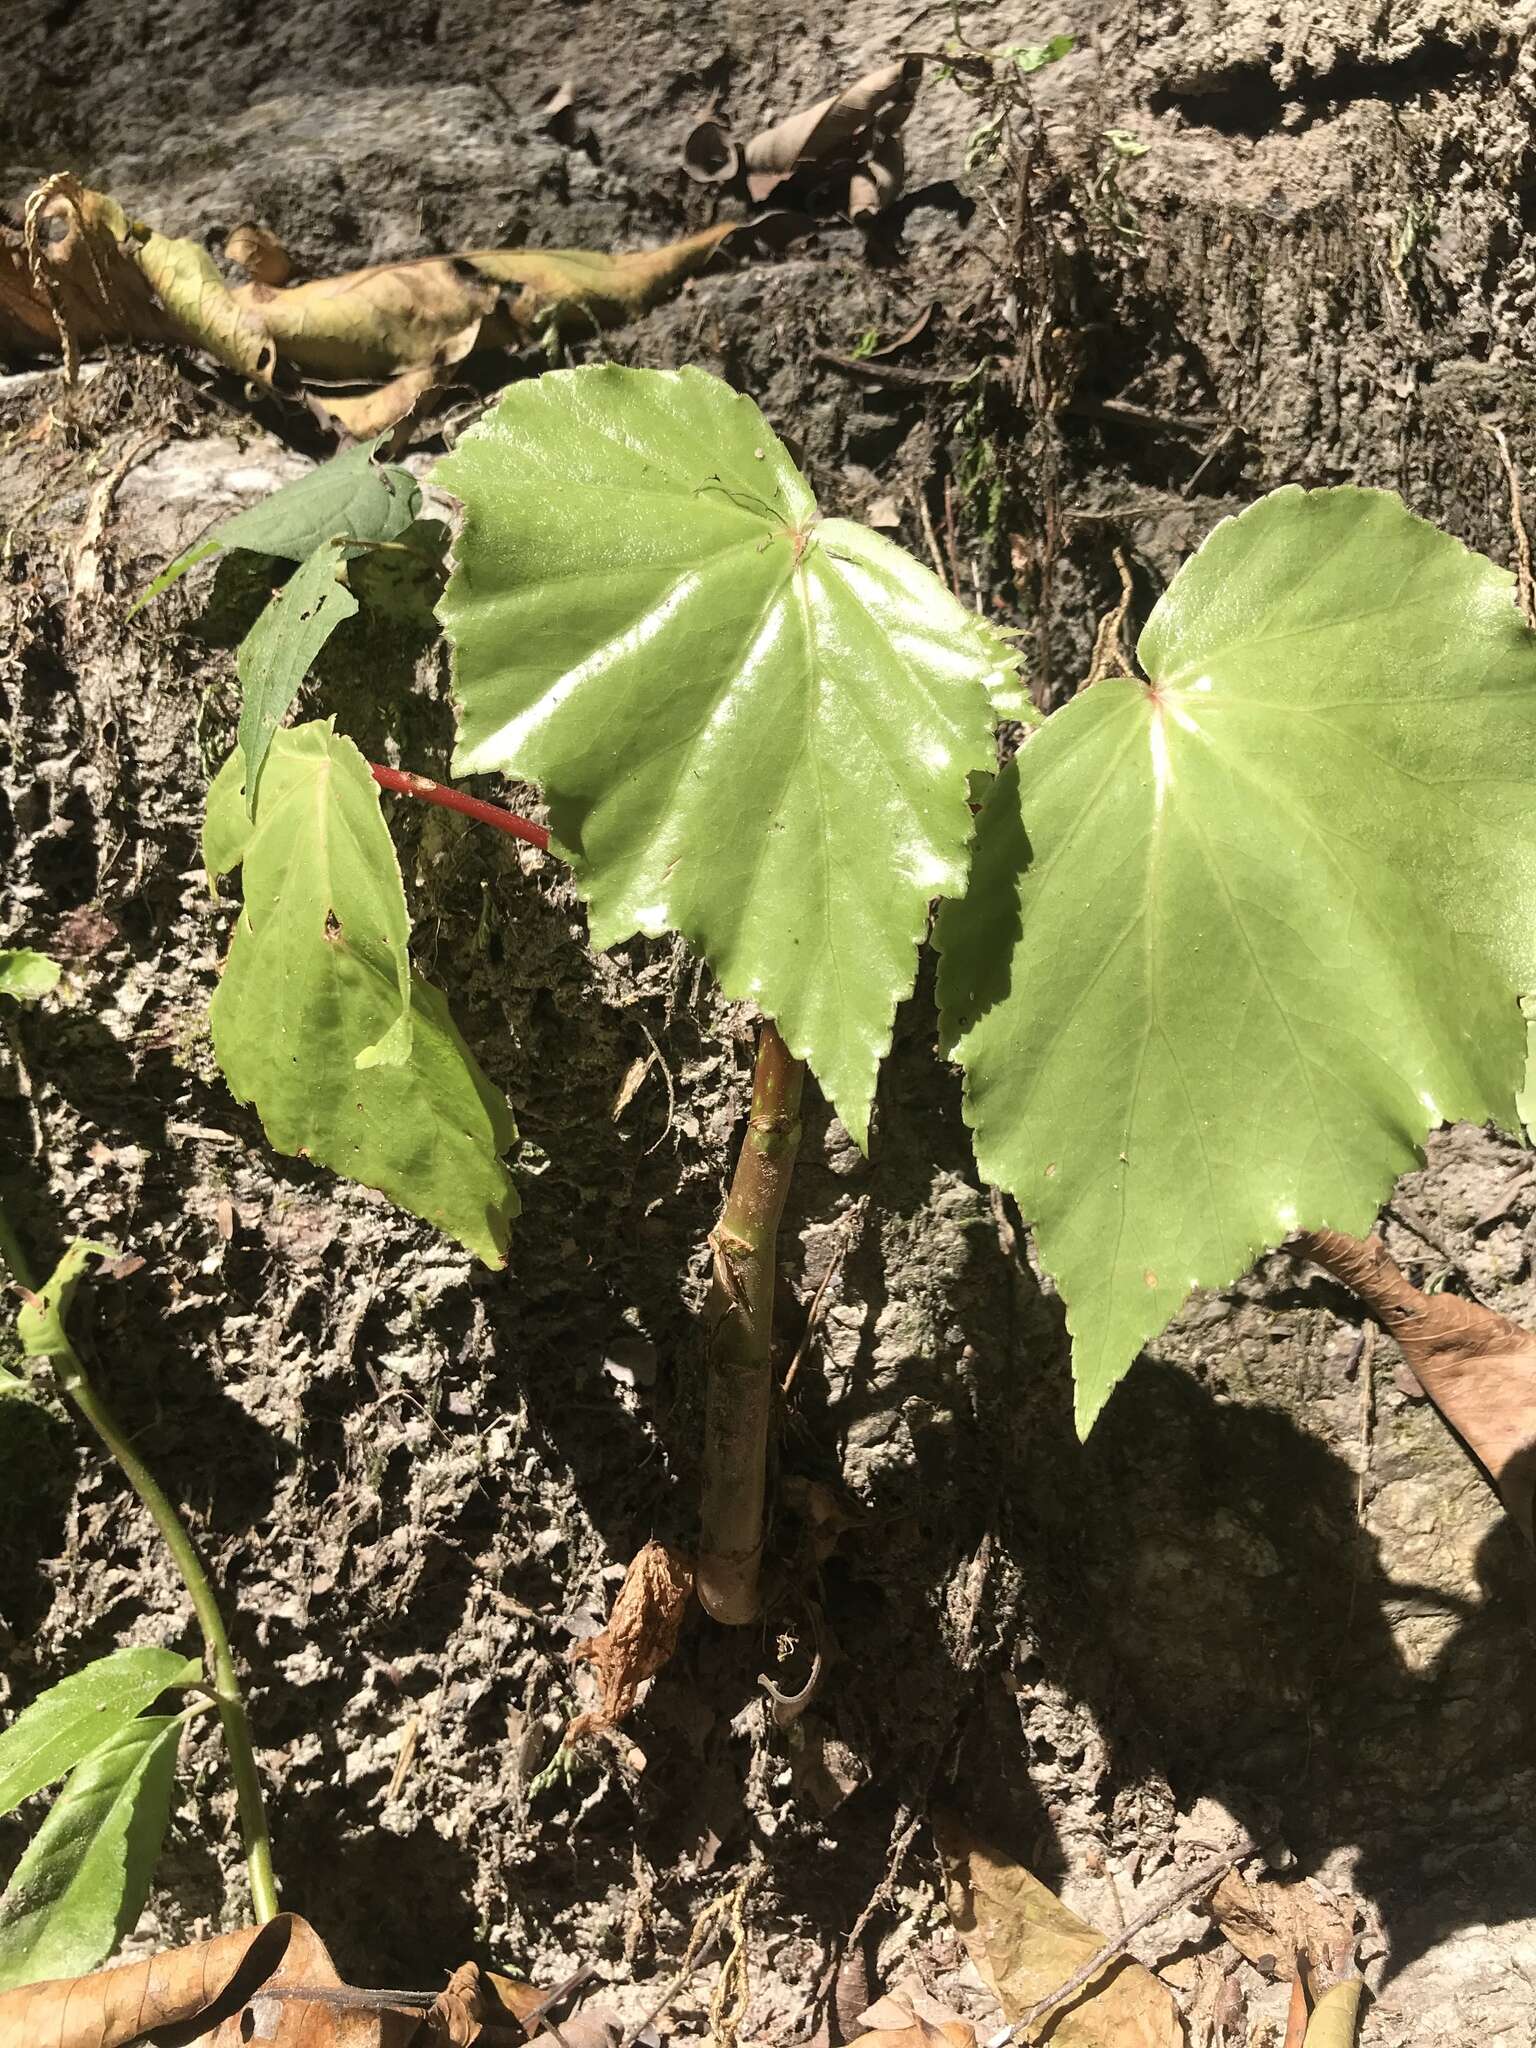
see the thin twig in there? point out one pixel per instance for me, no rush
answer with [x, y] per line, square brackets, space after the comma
[929, 535]
[814, 1313]
[1208, 1875]
[892, 373]
[1109, 643]
[722, 1912]
[1524, 588]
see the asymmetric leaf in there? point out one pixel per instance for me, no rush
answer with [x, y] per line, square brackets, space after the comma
[349, 1058]
[83, 1879]
[1238, 938]
[753, 726]
[73, 1718]
[351, 494]
[275, 656]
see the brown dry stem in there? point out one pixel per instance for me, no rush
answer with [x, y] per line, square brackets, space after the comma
[739, 1318]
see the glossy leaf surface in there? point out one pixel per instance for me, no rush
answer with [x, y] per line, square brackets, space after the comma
[350, 1059]
[83, 1879]
[753, 725]
[1238, 939]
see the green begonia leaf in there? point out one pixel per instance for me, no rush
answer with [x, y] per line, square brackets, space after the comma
[349, 1058]
[72, 1718]
[276, 655]
[753, 726]
[351, 494]
[1237, 939]
[83, 1879]
[26, 976]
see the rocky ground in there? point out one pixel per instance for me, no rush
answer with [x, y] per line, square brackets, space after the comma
[1238, 246]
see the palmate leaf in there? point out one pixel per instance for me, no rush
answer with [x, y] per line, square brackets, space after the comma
[83, 1879]
[1238, 939]
[349, 1058]
[753, 726]
[73, 1717]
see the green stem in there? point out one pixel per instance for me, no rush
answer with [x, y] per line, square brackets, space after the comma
[75, 1382]
[739, 1315]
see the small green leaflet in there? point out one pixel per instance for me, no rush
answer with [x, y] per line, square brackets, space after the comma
[350, 495]
[753, 725]
[349, 1058]
[75, 1716]
[40, 1324]
[1035, 56]
[1237, 940]
[26, 976]
[276, 655]
[83, 1879]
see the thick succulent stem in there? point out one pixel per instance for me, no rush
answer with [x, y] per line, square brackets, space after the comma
[739, 1316]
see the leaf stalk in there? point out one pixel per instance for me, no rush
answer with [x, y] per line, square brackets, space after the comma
[401, 782]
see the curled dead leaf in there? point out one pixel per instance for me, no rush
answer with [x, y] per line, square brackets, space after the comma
[853, 135]
[640, 1637]
[259, 253]
[1478, 1368]
[389, 331]
[709, 155]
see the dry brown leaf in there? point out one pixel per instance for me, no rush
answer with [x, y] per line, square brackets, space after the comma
[1271, 1924]
[1478, 1368]
[398, 326]
[1296, 2017]
[641, 1635]
[854, 134]
[368, 413]
[1026, 1943]
[110, 278]
[846, 129]
[235, 1989]
[920, 2034]
[900, 2020]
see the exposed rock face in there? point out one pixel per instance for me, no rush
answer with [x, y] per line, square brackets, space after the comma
[1306, 258]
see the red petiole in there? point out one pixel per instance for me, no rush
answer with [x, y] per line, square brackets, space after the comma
[400, 782]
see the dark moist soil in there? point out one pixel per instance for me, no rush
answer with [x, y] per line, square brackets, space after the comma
[1265, 1592]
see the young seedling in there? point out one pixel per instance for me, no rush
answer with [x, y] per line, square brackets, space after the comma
[85, 1877]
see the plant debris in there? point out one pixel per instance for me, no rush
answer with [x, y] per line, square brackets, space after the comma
[1477, 1367]
[640, 1637]
[847, 146]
